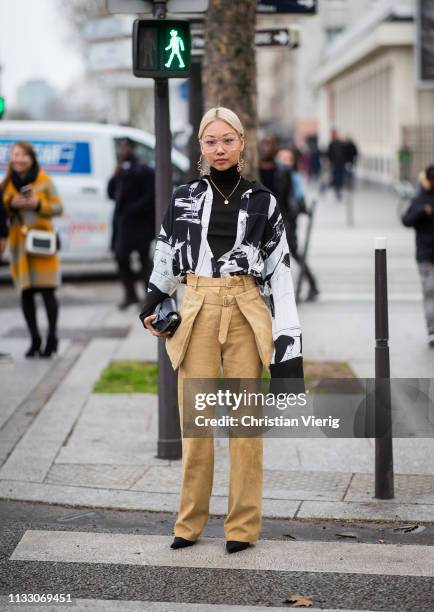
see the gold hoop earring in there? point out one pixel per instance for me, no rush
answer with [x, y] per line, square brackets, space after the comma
[202, 167]
[240, 164]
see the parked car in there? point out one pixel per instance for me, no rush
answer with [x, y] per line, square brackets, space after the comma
[80, 158]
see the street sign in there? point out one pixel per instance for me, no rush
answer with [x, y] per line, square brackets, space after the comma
[145, 6]
[161, 48]
[272, 37]
[306, 7]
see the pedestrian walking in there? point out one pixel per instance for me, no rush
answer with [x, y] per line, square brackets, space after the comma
[132, 186]
[420, 215]
[350, 161]
[336, 157]
[288, 158]
[224, 237]
[279, 179]
[314, 158]
[31, 200]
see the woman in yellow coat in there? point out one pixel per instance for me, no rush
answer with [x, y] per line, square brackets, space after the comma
[31, 200]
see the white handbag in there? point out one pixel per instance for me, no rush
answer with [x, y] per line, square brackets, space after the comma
[40, 242]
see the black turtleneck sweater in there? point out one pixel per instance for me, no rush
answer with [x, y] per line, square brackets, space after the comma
[222, 227]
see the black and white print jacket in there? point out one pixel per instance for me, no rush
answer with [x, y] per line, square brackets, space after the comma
[260, 249]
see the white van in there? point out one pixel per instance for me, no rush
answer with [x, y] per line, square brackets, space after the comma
[80, 158]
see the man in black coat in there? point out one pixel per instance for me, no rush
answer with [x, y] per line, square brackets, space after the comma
[336, 156]
[132, 186]
[420, 215]
[350, 158]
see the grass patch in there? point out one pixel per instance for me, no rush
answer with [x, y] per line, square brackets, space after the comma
[142, 376]
[128, 377]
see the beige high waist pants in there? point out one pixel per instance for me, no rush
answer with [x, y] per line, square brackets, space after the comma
[226, 328]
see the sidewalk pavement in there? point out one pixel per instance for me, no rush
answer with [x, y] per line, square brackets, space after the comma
[62, 444]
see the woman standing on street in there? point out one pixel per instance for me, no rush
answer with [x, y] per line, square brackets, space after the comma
[224, 236]
[31, 200]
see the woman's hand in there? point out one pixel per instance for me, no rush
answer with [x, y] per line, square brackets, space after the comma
[428, 209]
[20, 201]
[32, 202]
[147, 324]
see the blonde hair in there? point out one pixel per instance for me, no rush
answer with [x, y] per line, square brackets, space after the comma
[223, 113]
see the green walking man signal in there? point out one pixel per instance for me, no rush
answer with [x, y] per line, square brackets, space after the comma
[161, 48]
[176, 46]
[2, 106]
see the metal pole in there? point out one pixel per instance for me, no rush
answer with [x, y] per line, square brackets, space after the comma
[302, 272]
[384, 485]
[350, 197]
[169, 433]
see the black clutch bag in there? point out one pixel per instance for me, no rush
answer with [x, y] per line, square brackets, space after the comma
[167, 319]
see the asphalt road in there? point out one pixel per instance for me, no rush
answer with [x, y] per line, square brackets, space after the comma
[204, 585]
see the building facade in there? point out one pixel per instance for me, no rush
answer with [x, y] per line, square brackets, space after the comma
[368, 90]
[287, 95]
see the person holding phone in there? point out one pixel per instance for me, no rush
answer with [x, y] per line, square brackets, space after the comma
[31, 200]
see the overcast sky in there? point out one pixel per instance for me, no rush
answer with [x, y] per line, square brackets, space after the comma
[34, 44]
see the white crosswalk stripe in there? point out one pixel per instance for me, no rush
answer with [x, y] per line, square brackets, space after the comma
[107, 605]
[277, 555]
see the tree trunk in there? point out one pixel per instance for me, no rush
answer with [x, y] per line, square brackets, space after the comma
[229, 67]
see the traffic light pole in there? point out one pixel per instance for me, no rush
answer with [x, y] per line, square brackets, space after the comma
[169, 433]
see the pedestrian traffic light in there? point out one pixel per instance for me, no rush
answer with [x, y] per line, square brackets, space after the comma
[2, 106]
[161, 48]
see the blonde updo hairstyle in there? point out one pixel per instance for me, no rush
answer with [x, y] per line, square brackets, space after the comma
[224, 114]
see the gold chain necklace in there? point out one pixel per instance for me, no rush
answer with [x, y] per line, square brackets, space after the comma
[225, 198]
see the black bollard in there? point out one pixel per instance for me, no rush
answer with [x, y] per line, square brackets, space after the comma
[384, 487]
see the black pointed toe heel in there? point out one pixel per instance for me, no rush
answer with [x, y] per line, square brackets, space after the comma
[179, 542]
[50, 347]
[34, 349]
[233, 546]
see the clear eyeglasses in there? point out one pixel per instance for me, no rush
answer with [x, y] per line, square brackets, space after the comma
[229, 143]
